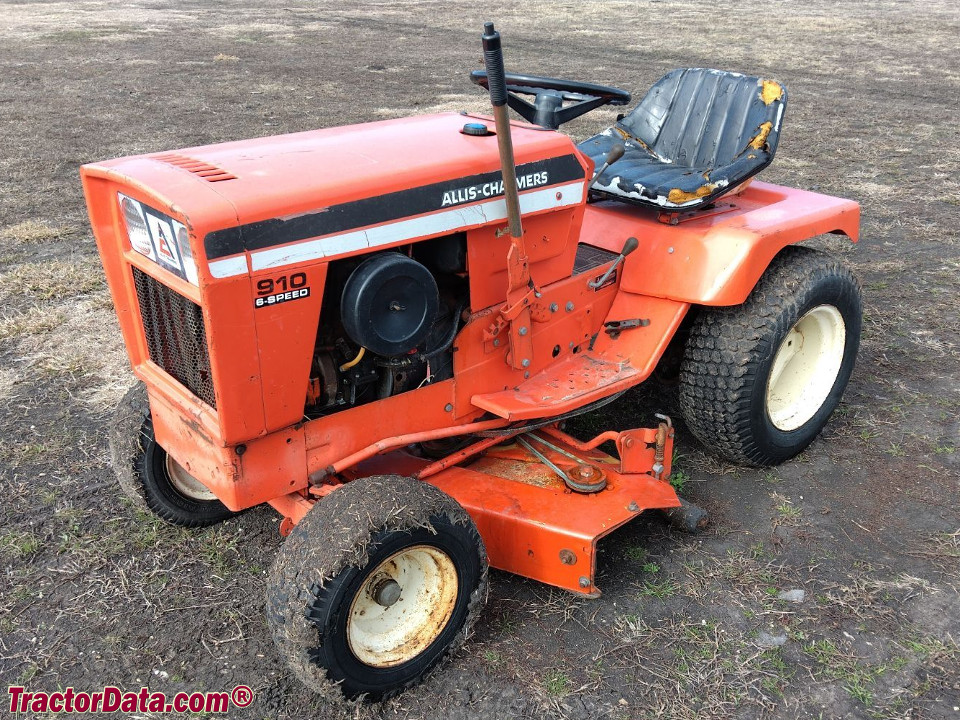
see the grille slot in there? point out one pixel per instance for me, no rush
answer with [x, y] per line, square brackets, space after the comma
[176, 335]
[210, 173]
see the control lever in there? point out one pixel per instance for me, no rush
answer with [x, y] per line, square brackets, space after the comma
[616, 152]
[628, 247]
[496, 79]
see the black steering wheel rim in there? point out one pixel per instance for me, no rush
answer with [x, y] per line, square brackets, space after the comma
[550, 94]
[529, 84]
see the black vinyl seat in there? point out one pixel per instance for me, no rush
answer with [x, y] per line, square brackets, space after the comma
[696, 135]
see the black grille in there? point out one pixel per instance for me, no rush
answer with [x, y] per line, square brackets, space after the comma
[589, 257]
[176, 335]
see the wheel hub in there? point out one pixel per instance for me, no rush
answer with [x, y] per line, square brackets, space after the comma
[386, 592]
[402, 606]
[805, 368]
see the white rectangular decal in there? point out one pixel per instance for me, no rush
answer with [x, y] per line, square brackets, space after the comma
[158, 237]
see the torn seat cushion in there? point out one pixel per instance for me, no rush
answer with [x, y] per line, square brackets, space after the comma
[696, 135]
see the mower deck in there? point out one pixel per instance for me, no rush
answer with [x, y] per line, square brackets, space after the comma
[532, 524]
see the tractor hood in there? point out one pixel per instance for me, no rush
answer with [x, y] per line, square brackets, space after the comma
[243, 197]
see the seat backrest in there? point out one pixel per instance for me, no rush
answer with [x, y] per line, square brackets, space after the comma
[695, 117]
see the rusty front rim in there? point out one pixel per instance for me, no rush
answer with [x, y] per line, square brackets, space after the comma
[805, 368]
[402, 606]
[185, 483]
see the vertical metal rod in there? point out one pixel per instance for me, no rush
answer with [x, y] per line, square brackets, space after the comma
[509, 169]
[497, 82]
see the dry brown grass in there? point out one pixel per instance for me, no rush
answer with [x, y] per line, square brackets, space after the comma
[32, 231]
[51, 280]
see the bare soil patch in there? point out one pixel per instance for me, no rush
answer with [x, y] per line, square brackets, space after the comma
[865, 523]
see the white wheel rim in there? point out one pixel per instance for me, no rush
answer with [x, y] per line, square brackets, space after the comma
[382, 636]
[805, 367]
[185, 483]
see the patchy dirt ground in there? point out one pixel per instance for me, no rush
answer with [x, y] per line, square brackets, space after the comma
[866, 523]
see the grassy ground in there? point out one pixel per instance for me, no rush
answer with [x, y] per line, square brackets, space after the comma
[866, 523]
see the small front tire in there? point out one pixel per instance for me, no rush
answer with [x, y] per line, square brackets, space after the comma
[171, 492]
[149, 477]
[379, 583]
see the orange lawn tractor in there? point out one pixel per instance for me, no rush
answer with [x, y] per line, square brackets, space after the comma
[380, 329]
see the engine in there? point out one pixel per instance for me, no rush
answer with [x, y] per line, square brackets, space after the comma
[388, 324]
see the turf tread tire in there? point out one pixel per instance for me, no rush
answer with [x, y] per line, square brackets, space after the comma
[730, 351]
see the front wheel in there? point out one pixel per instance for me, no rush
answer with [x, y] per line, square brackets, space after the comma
[375, 587]
[151, 478]
[170, 491]
[760, 380]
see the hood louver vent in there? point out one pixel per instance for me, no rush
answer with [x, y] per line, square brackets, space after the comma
[210, 173]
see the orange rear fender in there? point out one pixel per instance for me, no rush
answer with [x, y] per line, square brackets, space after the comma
[716, 258]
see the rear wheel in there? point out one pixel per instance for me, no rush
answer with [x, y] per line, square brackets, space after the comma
[375, 587]
[760, 380]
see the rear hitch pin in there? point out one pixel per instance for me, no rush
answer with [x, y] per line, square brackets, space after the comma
[658, 455]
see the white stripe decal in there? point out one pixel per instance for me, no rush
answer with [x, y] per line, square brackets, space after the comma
[459, 218]
[229, 267]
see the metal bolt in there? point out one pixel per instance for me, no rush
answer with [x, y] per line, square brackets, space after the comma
[584, 582]
[570, 306]
[670, 250]
[496, 342]
[448, 408]
[523, 330]
[633, 507]
[526, 362]
[554, 307]
[568, 557]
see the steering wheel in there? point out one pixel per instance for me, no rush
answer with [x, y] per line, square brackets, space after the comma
[549, 94]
